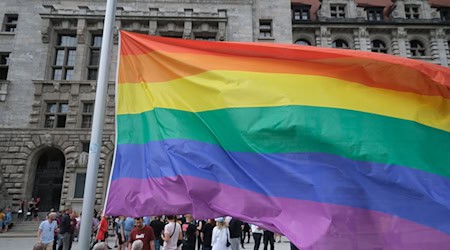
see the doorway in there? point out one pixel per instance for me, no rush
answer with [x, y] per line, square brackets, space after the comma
[49, 179]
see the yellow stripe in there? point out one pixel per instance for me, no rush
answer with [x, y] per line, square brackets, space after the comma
[231, 89]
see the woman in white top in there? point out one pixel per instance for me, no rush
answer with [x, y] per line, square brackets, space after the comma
[172, 233]
[220, 235]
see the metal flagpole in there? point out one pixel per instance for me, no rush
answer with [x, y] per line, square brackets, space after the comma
[97, 127]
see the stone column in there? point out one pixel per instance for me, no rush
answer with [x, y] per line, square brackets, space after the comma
[323, 37]
[80, 70]
[437, 47]
[153, 23]
[187, 33]
[400, 44]
[361, 39]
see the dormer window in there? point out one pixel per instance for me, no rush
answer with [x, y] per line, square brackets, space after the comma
[300, 13]
[445, 14]
[375, 14]
[412, 12]
[337, 10]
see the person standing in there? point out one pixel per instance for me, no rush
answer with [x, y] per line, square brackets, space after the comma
[121, 233]
[246, 232]
[64, 230]
[269, 238]
[220, 236]
[143, 233]
[46, 231]
[189, 233]
[257, 235]
[206, 234]
[235, 227]
[172, 234]
[199, 225]
[102, 233]
[158, 227]
[2, 220]
[128, 227]
[21, 210]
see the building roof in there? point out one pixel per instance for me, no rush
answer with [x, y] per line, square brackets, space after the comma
[440, 3]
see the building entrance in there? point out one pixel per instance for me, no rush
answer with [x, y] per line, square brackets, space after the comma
[49, 179]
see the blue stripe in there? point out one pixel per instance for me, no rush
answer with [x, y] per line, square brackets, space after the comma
[408, 193]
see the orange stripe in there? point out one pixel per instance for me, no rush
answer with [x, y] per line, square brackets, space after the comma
[162, 66]
[138, 44]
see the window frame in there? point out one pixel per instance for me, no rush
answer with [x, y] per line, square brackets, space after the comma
[445, 17]
[340, 40]
[410, 14]
[303, 42]
[419, 51]
[4, 66]
[384, 49]
[97, 48]
[265, 28]
[374, 11]
[64, 67]
[338, 13]
[80, 185]
[87, 115]
[10, 22]
[301, 9]
[57, 114]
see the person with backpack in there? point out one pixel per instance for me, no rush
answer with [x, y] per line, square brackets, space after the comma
[172, 234]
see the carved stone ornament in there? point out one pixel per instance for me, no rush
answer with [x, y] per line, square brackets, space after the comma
[47, 140]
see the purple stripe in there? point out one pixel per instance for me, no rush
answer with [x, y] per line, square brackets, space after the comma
[311, 225]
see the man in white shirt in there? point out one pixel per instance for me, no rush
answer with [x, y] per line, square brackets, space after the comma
[46, 231]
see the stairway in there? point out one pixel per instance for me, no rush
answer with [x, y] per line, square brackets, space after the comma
[22, 229]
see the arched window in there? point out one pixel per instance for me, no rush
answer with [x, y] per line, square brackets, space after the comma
[303, 42]
[341, 44]
[379, 46]
[417, 48]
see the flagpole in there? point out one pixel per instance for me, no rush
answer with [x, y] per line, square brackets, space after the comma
[97, 127]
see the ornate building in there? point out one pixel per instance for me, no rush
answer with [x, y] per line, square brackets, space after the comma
[49, 55]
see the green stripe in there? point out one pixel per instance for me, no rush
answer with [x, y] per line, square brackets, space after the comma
[287, 129]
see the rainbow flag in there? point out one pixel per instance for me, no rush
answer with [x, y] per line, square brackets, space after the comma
[336, 149]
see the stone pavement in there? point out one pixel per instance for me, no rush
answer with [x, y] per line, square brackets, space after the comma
[27, 244]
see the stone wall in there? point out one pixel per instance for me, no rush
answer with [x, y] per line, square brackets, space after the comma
[20, 150]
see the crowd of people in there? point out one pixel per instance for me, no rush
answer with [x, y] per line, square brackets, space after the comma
[168, 232]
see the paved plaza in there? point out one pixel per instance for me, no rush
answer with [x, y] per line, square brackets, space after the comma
[27, 244]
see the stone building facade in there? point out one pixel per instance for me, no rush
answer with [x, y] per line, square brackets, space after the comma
[49, 53]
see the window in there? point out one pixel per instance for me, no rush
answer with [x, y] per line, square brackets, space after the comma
[412, 11]
[65, 56]
[206, 37]
[265, 28]
[375, 14]
[10, 22]
[300, 12]
[86, 115]
[417, 48]
[4, 64]
[445, 14]
[94, 57]
[85, 146]
[379, 46]
[341, 44]
[303, 42]
[337, 10]
[56, 114]
[79, 185]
